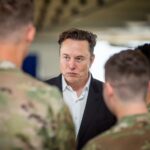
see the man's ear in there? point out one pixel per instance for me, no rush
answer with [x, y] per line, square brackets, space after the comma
[28, 38]
[148, 93]
[109, 89]
[30, 33]
[109, 96]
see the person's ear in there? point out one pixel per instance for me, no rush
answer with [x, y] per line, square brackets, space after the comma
[148, 93]
[109, 96]
[28, 37]
[109, 89]
[30, 33]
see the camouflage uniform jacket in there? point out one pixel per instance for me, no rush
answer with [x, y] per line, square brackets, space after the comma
[32, 115]
[148, 106]
[130, 133]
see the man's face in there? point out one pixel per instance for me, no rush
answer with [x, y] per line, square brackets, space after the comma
[75, 61]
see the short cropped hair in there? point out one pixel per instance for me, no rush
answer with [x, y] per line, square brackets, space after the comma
[128, 72]
[77, 34]
[145, 49]
[15, 14]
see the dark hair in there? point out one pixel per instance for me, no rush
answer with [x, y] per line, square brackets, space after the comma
[145, 49]
[129, 72]
[77, 34]
[15, 14]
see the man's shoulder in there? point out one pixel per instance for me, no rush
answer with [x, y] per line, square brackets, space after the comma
[37, 107]
[123, 135]
[96, 81]
[28, 87]
[54, 80]
[56, 111]
[130, 127]
[134, 122]
[97, 85]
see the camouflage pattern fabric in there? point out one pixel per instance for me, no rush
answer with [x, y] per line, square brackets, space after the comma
[32, 115]
[130, 133]
[148, 106]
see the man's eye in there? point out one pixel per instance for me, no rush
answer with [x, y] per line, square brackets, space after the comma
[66, 57]
[79, 59]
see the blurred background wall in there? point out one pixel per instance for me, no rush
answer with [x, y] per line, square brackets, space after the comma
[119, 24]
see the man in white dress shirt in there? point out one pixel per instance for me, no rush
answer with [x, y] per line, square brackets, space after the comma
[81, 92]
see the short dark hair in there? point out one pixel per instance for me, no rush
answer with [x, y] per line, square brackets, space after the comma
[15, 14]
[78, 34]
[128, 71]
[145, 49]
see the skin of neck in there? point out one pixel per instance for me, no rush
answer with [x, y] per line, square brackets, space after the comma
[78, 87]
[15, 47]
[130, 108]
[13, 52]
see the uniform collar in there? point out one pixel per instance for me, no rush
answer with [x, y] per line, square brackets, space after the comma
[7, 65]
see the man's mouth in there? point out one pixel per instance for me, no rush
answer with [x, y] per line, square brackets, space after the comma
[71, 74]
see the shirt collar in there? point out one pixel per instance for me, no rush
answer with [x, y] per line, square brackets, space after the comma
[65, 85]
[88, 83]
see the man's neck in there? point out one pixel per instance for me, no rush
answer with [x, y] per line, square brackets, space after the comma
[132, 109]
[78, 87]
[11, 54]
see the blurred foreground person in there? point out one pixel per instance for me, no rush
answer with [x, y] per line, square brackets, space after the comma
[127, 75]
[32, 114]
[145, 49]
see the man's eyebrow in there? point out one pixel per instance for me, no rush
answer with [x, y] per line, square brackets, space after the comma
[64, 54]
[80, 56]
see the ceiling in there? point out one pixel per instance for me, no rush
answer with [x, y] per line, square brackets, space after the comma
[117, 21]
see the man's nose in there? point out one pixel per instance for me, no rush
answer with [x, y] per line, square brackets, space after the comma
[72, 64]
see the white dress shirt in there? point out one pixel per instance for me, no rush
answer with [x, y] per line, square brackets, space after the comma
[76, 104]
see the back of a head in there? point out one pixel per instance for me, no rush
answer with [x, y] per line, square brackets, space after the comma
[128, 72]
[78, 34]
[145, 50]
[14, 14]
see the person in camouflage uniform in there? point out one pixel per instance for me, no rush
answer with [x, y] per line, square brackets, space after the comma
[145, 49]
[126, 74]
[32, 114]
